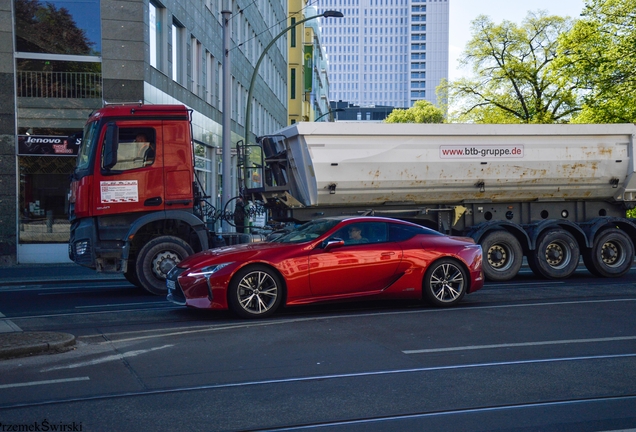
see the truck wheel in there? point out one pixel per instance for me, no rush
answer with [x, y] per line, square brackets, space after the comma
[611, 255]
[131, 275]
[156, 259]
[556, 256]
[502, 256]
[255, 292]
[445, 282]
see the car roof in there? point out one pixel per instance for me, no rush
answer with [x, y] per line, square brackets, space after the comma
[367, 219]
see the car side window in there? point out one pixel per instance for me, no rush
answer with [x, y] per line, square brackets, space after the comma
[136, 149]
[400, 232]
[362, 232]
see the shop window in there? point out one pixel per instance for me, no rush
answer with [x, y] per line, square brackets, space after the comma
[44, 189]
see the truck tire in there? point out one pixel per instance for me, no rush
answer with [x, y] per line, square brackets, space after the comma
[611, 255]
[131, 275]
[156, 259]
[556, 256]
[502, 255]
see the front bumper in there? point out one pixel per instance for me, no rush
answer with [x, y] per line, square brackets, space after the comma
[175, 293]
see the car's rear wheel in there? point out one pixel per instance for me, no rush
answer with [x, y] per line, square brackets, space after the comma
[255, 292]
[445, 282]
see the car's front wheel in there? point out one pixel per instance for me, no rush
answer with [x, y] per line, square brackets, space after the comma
[255, 292]
[445, 282]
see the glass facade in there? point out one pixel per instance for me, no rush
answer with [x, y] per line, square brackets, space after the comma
[58, 46]
[374, 50]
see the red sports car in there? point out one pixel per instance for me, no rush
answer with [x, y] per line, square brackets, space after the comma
[330, 259]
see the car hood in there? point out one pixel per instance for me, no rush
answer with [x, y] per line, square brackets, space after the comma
[239, 252]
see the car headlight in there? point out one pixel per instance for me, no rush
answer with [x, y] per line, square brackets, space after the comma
[209, 270]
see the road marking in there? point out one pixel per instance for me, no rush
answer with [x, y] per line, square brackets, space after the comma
[516, 345]
[35, 383]
[106, 359]
[318, 378]
[8, 326]
[180, 331]
[162, 303]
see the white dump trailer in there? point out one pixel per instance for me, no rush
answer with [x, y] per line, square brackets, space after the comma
[550, 192]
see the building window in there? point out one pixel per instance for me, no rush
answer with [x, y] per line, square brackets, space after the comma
[292, 83]
[155, 20]
[178, 51]
[292, 36]
[58, 27]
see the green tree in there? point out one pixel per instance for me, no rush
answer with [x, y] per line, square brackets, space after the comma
[422, 111]
[513, 81]
[600, 51]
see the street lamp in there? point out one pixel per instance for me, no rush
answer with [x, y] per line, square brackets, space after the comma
[248, 108]
[330, 112]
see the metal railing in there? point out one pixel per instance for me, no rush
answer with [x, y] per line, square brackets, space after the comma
[70, 85]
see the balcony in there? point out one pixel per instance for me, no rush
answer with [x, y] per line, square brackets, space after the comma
[63, 85]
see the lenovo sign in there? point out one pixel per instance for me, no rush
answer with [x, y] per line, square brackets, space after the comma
[41, 145]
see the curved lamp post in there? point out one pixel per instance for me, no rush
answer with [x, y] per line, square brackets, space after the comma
[248, 108]
[330, 112]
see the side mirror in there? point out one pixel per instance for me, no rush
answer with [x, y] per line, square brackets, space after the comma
[111, 145]
[333, 243]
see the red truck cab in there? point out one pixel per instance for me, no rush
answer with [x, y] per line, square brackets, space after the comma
[133, 194]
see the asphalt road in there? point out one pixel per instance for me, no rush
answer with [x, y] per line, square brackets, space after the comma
[526, 355]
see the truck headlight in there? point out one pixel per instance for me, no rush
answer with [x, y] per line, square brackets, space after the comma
[81, 247]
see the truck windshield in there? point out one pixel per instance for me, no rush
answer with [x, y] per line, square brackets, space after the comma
[85, 150]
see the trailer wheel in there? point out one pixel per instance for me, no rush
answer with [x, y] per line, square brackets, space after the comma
[502, 255]
[156, 259]
[611, 255]
[556, 256]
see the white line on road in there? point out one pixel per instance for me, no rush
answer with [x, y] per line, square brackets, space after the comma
[35, 383]
[523, 344]
[151, 303]
[8, 326]
[106, 359]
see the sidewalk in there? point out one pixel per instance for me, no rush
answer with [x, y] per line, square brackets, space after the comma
[51, 273]
[16, 343]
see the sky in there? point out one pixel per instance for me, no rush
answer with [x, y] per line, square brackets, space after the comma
[463, 12]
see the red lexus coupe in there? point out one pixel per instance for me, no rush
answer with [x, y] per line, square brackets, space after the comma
[330, 259]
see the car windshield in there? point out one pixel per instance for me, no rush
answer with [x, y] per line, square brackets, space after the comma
[309, 231]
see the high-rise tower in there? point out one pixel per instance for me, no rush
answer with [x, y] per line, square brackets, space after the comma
[386, 52]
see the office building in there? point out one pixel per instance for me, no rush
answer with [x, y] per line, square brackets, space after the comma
[386, 52]
[60, 60]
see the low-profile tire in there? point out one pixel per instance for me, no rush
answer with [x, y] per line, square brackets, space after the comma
[556, 255]
[611, 255]
[503, 255]
[445, 282]
[156, 258]
[255, 292]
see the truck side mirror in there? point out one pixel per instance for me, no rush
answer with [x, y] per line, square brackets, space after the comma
[111, 145]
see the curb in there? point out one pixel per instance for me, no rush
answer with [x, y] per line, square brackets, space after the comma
[24, 344]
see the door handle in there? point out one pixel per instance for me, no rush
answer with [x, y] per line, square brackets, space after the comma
[388, 253]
